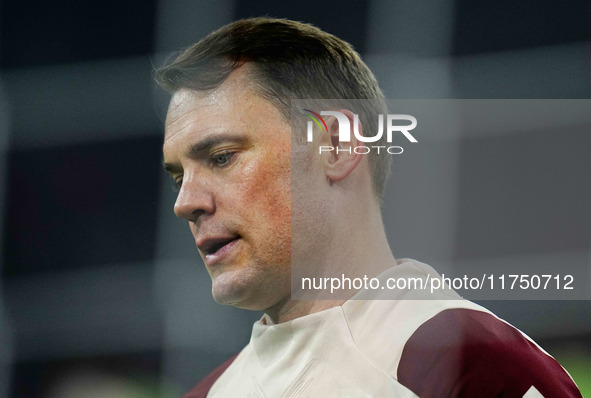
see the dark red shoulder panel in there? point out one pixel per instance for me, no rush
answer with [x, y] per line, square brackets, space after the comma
[201, 389]
[467, 353]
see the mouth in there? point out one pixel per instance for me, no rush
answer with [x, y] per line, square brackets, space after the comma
[214, 249]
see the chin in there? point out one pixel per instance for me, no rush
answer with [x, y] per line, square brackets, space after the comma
[249, 290]
[227, 299]
[229, 291]
[237, 301]
[243, 297]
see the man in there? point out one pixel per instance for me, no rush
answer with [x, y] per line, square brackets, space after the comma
[253, 193]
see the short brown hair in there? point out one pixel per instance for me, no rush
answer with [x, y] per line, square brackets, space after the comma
[291, 60]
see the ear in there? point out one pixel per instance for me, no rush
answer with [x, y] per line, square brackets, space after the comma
[342, 160]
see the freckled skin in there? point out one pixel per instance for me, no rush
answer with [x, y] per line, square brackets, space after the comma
[250, 197]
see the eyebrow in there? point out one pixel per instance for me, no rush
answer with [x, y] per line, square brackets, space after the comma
[197, 149]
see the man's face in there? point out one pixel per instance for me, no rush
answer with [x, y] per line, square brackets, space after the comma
[229, 152]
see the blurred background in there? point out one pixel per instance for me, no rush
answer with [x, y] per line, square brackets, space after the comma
[102, 292]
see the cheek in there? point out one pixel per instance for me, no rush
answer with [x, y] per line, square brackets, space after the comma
[272, 201]
[278, 179]
[263, 192]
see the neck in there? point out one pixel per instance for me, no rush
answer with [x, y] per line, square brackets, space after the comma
[357, 248]
[288, 309]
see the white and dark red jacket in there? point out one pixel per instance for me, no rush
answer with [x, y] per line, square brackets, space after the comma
[407, 347]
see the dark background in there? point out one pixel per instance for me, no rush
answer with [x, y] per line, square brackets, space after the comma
[101, 288]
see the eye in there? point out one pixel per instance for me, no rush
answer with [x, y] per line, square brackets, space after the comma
[222, 159]
[176, 184]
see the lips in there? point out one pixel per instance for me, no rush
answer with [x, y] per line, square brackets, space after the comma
[216, 248]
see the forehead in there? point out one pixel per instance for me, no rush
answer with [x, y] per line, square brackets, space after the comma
[188, 107]
[231, 105]
[236, 86]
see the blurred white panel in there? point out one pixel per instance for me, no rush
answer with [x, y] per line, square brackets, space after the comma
[174, 239]
[199, 333]
[4, 120]
[192, 317]
[6, 333]
[4, 140]
[181, 23]
[403, 76]
[410, 27]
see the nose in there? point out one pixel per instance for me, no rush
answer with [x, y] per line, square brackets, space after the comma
[195, 199]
